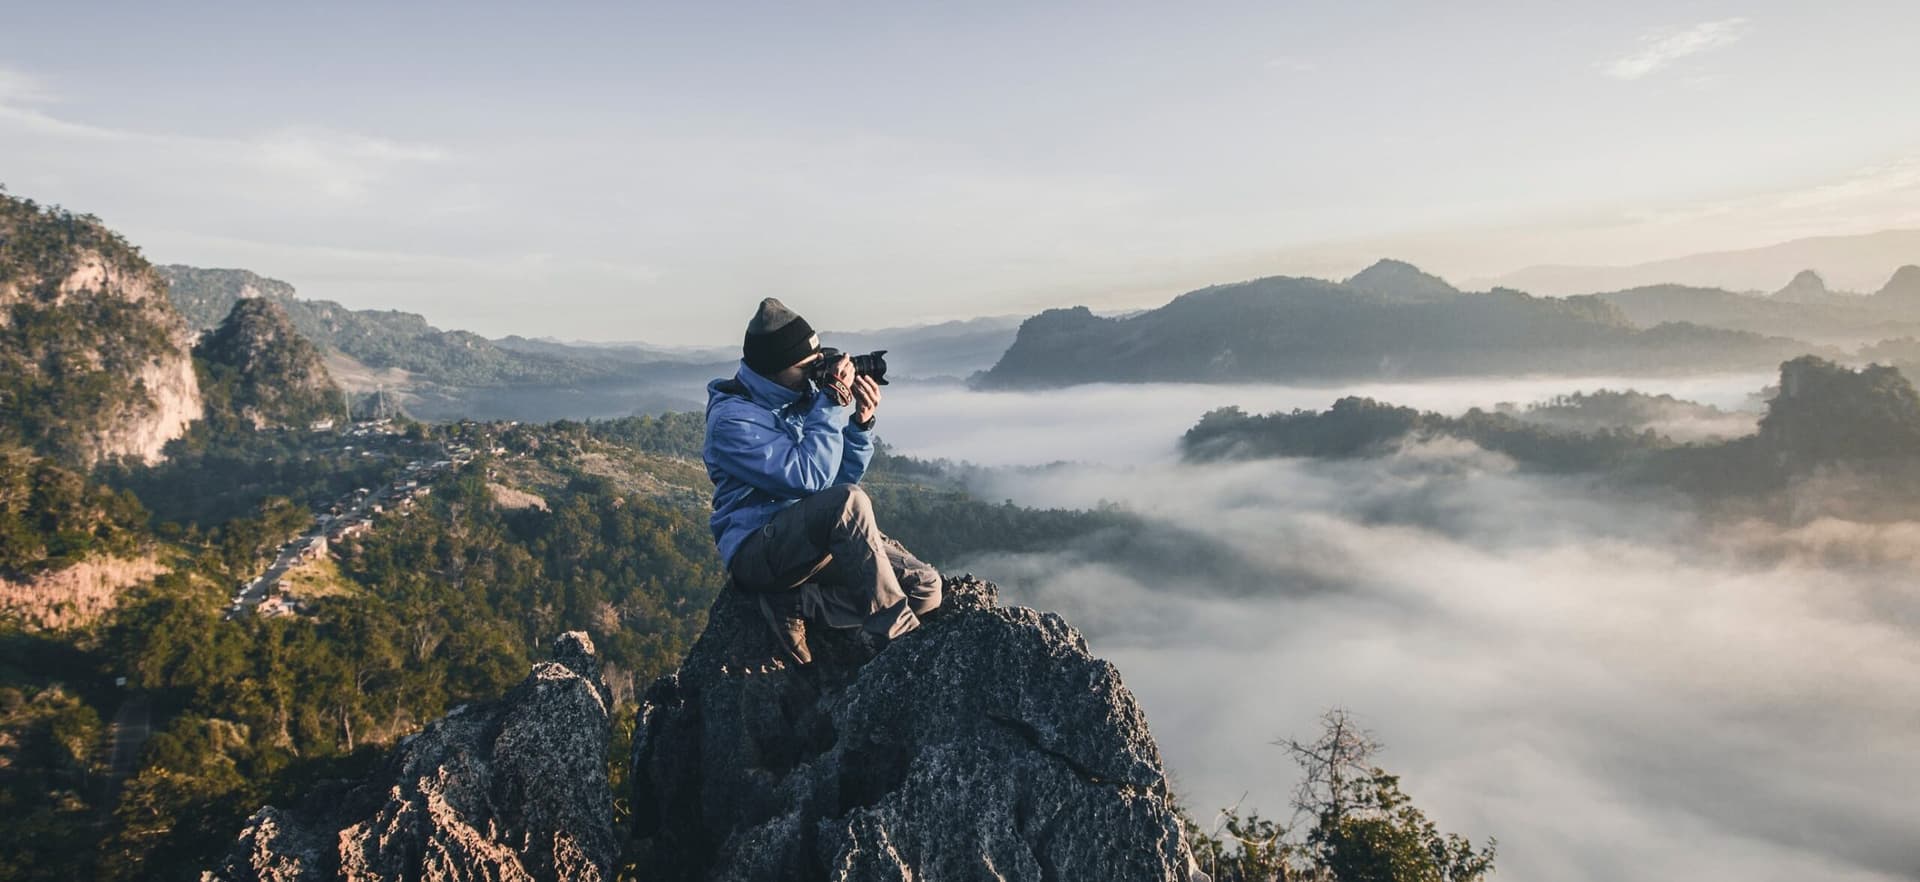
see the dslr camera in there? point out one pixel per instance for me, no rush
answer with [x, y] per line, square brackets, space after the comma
[873, 364]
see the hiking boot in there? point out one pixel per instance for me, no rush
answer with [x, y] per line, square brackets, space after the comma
[782, 612]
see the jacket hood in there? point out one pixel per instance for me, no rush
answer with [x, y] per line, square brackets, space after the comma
[748, 384]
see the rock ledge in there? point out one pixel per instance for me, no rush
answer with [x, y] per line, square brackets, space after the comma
[989, 744]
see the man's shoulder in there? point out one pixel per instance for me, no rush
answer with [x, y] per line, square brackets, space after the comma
[734, 406]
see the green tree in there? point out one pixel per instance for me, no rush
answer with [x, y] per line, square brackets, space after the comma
[1363, 828]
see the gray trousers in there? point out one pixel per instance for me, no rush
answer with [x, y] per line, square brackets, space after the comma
[847, 571]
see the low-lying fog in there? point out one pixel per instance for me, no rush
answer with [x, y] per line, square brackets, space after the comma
[1138, 423]
[1610, 686]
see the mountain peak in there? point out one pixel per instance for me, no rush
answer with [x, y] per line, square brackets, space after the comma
[1806, 287]
[1399, 280]
[1904, 285]
[267, 373]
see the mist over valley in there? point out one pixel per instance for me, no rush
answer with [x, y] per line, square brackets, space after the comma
[1611, 680]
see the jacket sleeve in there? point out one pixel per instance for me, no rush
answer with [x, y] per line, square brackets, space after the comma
[859, 452]
[749, 443]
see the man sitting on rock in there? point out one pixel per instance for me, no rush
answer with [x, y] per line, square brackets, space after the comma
[794, 527]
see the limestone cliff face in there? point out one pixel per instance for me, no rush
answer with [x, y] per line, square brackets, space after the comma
[513, 789]
[97, 359]
[987, 745]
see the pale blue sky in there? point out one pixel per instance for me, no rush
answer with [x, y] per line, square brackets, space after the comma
[628, 173]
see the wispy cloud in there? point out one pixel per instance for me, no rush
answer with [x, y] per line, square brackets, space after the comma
[1290, 64]
[1882, 195]
[17, 87]
[1663, 46]
[339, 165]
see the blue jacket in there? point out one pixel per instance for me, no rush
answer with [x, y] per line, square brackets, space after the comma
[766, 450]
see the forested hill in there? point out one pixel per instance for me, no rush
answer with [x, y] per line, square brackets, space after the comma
[1390, 321]
[259, 370]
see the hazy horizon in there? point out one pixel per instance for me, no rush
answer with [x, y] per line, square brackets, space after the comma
[617, 173]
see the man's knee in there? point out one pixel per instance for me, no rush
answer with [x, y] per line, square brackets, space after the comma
[852, 501]
[925, 589]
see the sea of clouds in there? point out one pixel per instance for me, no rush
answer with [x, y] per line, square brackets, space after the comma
[1142, 422]
[1611, 684]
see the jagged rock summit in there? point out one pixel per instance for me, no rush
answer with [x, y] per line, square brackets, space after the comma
[512, 789]
[987, 745]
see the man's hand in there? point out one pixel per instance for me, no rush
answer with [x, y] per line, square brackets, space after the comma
[839, 385]
[866, 396]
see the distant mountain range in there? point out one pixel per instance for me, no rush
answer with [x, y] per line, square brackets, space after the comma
[953, 349]
[1391, 320]
[1849, 263]
[441, 374]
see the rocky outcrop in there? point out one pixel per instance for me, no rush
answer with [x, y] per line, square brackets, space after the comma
[987, 744]
[513, 789]
[96, 358]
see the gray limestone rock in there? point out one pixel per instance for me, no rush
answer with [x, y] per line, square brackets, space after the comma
[511, 789]
[989, 744]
